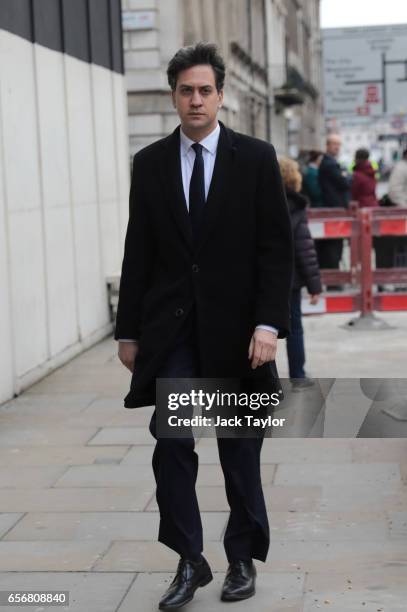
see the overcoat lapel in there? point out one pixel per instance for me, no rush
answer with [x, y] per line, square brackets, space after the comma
[222, 179]
[171, 178]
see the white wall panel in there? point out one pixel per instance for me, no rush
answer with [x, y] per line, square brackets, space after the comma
[60, 269]
[93, 312]
[108, 196]
[62, 318]
[122, 148]
[20, 123]
[90, 277]
[28, 295]
[23, 195]
[6, 329]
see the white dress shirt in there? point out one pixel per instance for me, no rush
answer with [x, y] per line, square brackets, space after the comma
[187, 156]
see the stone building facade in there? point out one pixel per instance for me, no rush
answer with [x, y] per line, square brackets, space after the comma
[272, 54]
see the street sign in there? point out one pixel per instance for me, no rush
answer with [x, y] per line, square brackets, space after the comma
[365, 71]
[138, 20]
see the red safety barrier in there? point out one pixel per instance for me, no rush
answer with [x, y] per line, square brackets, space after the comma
[359, 226]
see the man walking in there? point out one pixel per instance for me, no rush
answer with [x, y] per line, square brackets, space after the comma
[204, 292]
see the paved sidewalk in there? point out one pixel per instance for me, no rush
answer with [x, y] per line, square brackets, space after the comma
[78, 509]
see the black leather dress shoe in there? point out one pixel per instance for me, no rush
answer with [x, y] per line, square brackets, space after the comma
[190, 575]
[240, 581]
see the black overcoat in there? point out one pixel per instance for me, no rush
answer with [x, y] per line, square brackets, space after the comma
[237, 274]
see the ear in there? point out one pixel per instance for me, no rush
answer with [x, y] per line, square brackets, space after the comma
[220, 98]
[173, 99]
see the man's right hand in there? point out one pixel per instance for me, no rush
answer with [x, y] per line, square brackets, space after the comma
[314, 299]
[127, 354]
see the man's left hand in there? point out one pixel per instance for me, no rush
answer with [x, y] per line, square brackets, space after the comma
[262, 348]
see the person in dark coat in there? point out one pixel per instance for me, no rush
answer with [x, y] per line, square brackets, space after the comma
[311, 186]
[204, 292]
[306, 270]
[335, 189]
[364, 180]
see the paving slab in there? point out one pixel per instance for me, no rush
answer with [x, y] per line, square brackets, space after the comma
[374, 450]
[44, 436]
[122, 435]
[107, 476]
[7, 520]
[295, 498]
[112, 410]
[398, 525]
[305, 450]
[335, 556]
[382, 476]
[141, 454]
[30, 402]
[80, 499]
[16, 477]
[360, 497]
[63, 555]
[30, 456]
[88, 592]
[384, 589]
[81, 380]
[332, 526]
[282, 592]
[87, 526]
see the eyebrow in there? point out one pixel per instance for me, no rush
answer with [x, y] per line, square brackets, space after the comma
[185, 86]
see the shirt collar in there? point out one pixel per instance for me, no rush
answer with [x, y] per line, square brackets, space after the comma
[210, 142]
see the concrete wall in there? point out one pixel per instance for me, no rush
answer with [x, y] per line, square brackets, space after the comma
[63, 203]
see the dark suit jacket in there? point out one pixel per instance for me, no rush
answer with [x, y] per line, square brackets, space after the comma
[334, 186]
[237, 274]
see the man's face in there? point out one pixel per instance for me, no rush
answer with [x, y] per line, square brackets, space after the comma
[196, 99]
[333, 146]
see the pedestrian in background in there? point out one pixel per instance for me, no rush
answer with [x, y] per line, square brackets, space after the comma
[335, 188]
[311, 186]
[306, 270]
[364, 180]
[398, 182]
[398, 197]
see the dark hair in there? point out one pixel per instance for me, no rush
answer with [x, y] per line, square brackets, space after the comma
[362, 155]
[313, 156]
[201, 53]
[405, 153]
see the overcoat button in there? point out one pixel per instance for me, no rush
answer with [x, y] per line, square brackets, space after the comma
[179, 312]
[195, 268]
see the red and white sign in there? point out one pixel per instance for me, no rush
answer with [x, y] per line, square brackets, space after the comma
[372, 94]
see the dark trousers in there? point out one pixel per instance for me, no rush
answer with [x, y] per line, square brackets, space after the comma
[295, 341]
[329, 253]
[175, 466]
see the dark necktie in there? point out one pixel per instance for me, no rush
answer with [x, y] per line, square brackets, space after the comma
[197, 190]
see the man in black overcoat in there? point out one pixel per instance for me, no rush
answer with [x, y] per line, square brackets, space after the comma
[335, 191]
[204, 292]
